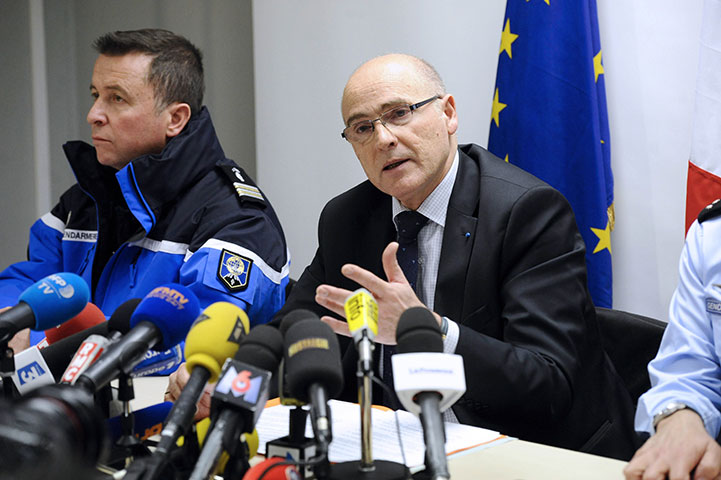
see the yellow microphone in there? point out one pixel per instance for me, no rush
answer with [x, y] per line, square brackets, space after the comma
[213, 338]
[361, 312]
[250, 439]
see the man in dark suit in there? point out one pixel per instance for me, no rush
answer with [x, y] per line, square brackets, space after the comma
[500, 263]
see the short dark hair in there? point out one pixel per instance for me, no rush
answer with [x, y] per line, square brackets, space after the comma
[176, 71]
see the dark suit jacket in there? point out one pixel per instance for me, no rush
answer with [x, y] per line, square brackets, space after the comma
[534, 364]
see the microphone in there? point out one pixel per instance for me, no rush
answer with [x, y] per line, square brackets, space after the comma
[161, 319]
[31, 370]
[89, 351]
[295, 445]
[361, 311]
[240, 396]
[427, 381]
[37, 366]
[213, 338]
[273, 468]
[315, 374]
[45, 304]
[251, 440]
[289, 320]
[88, 317]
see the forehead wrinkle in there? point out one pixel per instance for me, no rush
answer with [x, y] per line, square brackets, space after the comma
[377, 112]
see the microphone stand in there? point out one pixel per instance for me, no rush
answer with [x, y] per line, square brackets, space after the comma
[7, 368]
[366, 468]
[131, 445]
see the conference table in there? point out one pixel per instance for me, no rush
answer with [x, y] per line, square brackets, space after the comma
[511, 459]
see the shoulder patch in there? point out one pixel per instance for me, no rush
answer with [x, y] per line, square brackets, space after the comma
[710, 211]
[234, 271]
[244, 186]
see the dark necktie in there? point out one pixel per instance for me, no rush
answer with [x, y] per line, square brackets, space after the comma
[408, 223]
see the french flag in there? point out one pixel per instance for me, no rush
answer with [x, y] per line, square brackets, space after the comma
[704, 166]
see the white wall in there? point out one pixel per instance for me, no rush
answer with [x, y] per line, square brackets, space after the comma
[305, 51]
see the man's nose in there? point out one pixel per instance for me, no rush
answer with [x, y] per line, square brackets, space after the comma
[96, 115]
[384, 135]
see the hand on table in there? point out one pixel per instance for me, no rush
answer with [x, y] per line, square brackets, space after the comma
[177, 381]
[680, 445]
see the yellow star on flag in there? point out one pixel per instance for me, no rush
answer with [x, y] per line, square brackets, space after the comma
[597, 66]
[507, 38]
[496, 109]
[604, 238]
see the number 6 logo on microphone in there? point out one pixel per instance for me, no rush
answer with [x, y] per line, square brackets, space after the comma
[241, 383]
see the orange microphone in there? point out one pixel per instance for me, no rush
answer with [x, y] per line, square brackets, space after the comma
[88, 317]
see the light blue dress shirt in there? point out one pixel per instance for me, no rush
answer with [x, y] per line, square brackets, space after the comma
[687, 367]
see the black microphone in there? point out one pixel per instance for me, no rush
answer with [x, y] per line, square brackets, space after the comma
[314, 374]
[419, 368]
[161, 319]
[239, 396]
[295, 445]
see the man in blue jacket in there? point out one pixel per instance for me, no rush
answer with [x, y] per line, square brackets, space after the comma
[156, 201]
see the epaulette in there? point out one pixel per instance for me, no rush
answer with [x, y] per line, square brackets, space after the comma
[710, 211]
[244, 186]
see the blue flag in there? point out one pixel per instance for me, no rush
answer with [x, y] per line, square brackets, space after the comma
[549, 116]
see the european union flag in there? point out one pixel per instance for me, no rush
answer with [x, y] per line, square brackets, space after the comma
[549, 116]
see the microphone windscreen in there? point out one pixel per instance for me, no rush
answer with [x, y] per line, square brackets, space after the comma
[120, 319]
[56, 298]
[294, 317]
[418, 331]
[172, 308]
[272, 469]
[88, 317]
[214, 337]
[58, 355]
[262, 348]
[312, 355]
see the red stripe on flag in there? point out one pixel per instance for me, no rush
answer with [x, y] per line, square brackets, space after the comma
[702, 188]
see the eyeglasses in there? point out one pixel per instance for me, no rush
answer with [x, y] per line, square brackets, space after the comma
[361, 132]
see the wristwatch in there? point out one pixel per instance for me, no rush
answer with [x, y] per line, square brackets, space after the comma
[444, 327]
[667, 411]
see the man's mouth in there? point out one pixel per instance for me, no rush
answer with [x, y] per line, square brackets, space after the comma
[393, 165]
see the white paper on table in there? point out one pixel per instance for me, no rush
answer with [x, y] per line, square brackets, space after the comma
[273, 423]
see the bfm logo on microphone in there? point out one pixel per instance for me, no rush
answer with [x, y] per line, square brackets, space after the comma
[30, 372]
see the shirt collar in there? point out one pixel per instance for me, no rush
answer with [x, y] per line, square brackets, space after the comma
[435, 206]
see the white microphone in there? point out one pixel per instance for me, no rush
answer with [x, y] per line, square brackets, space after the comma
[31, 371]
[427, 381]
[91, 348]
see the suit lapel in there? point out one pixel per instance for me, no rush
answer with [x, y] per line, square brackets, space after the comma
[458, 239]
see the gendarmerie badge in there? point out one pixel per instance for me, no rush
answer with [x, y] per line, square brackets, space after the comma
[234, 271]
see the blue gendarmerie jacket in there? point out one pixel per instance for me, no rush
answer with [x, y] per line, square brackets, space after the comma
[187, 215]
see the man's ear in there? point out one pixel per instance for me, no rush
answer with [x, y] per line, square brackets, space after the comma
[178, 117]
[449, 111]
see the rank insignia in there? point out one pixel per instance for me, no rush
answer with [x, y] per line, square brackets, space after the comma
[234, 271]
